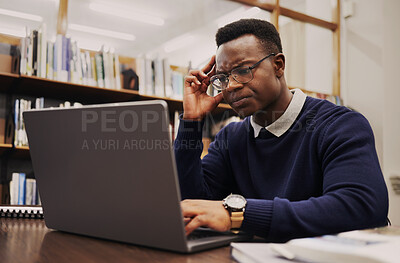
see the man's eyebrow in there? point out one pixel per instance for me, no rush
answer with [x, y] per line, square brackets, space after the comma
[236, 65]
[220, 72]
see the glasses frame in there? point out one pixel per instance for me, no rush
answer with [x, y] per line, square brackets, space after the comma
[230, 74]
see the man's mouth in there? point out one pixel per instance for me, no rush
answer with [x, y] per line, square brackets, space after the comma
[237, 102]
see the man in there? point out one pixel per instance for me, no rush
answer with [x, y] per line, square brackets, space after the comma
[298, 166]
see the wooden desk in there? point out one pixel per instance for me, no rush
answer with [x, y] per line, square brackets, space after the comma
[29, 240]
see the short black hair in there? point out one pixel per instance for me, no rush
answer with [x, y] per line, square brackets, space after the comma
[262, 29]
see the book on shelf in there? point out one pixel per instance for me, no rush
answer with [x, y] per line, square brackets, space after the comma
[23, 191]
[141, 73]
[24, 43]
[28, 211]
[378, 245]
[167, 78]
[42, 51]
[34, 52]
[158, 78]
[21, 105]
[116, 71]
[57, 57]
[62, 72]
[177, 84]
[17, 189]
[106, 67]
[149, 77]
[29, 54]
[30, 192]
[99, 69]
[49, 60]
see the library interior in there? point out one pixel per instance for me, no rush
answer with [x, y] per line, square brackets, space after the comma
[74, 55]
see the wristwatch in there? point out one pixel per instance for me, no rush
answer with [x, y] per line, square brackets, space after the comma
[235, 204]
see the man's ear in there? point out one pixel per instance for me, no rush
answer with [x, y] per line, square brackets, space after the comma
[279, 65]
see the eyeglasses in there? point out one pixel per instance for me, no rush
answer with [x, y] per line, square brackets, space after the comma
[241, 75]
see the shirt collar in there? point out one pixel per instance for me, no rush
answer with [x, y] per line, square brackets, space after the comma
[284, 122]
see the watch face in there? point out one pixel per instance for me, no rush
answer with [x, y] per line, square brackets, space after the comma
[236, 201]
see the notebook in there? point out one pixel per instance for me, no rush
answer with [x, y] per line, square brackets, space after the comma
[108, 171]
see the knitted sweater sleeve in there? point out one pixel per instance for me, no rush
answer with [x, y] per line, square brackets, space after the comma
[354, 192]
[201, 179]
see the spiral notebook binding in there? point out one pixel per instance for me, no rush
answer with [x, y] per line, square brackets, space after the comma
[33, 212]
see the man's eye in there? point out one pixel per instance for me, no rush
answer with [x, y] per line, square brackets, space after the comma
[242, 71]
[223, 78]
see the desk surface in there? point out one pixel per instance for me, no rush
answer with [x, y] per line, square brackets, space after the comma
[29, 240]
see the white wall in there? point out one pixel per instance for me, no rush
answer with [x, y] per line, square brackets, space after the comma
[319, 50]
[370, 64]
[391, 109]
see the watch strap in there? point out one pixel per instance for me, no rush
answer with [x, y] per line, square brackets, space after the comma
[237, 219]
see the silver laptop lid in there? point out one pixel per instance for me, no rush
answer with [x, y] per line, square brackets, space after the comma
[108, 171]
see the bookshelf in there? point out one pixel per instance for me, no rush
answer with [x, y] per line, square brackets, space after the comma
[36, 86]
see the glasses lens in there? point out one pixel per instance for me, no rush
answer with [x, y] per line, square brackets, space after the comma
[242, 74]
[219, 82]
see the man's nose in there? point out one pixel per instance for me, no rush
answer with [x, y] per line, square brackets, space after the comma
[233, 84]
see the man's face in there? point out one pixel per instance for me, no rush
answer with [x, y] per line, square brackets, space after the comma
[263, 90]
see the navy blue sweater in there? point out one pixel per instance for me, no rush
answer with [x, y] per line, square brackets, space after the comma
[322, 176]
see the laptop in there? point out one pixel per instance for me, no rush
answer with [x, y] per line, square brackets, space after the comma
[108, 171]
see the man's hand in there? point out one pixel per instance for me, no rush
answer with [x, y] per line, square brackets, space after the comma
[205, 213]
[196, 102]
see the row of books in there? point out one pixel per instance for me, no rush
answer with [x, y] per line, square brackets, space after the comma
[158, 78]
[63, 60]
[23, 191]
[21, 105]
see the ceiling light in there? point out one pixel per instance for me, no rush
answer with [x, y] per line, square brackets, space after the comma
[178, 43]
[13, 32]
[127, 13]
[88, 44]
[20, 15]
[102, 32]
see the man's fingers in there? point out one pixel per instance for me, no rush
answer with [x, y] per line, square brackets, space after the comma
[212, 72]
[218, 98]
[192, 79]
[193, 224]
[207, 68]
[189, 209]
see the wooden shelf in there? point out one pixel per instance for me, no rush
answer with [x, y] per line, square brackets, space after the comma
[19, 152]
[69, 91]
[41, 87]
[7, 80]
[5, 147]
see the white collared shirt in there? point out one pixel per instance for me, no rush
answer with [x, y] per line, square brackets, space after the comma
[284, 122]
